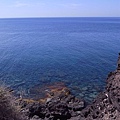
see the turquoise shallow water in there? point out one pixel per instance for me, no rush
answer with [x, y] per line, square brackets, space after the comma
[77, 51]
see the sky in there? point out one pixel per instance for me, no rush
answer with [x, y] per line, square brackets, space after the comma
[59, 8]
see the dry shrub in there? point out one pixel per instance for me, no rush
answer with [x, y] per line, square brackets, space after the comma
[9, 109]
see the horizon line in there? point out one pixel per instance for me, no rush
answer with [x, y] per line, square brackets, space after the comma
[58, 17]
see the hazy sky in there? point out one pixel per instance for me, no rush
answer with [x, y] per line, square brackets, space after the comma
[59, 8]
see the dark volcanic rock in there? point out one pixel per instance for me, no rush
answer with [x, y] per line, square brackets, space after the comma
[38, 110]
[57, 108]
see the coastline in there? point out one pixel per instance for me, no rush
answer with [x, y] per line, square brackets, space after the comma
[59, 104]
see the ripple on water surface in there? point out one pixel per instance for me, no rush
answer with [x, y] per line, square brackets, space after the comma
[78, 52]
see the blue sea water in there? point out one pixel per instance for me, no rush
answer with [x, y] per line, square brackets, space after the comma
[79, 52]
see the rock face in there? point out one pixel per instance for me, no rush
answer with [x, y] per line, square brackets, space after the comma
[107, 104]
[118, 64]
[64, 106]
[57, 108]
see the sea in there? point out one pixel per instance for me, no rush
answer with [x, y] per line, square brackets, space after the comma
[79, 52]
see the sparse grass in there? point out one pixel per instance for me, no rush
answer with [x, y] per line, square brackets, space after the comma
[9, 109]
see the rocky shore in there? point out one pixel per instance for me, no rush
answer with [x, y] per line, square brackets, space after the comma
[59, 104]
